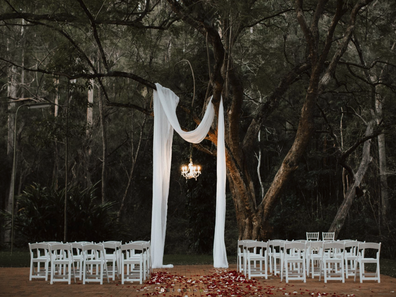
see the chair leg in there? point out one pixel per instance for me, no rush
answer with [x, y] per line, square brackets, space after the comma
[122, 272]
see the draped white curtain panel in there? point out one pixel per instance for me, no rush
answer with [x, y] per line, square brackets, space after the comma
[165, 121]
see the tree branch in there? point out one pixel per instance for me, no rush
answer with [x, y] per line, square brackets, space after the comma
[306, 30]
[95, 33]
[343, 45]
[86, 75]
[272, 102]
[132, 106]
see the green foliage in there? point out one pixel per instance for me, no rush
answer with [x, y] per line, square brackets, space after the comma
[16, 259]
[40, 216]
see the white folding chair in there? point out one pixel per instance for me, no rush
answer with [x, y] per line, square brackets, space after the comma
[39, 260]
[294, 261]
[333, 261]
[95, 265]
[369, 253]
[275, 254]
[328, 236]
[241, 255]
[314, 258]
[312, 236]
[132, 262]
[112, 250]
[78, 258]
[256, 254]
[62, 265]
[350, 257]
[146, 245]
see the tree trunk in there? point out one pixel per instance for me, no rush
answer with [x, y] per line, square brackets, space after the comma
[339, 219]
[382, 162]
[104, 145]
[134, 157]
[12, 92]
[55, 172]
[88, 150]
[383, 178]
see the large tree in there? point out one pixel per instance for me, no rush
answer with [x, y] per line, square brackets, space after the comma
[271, 50]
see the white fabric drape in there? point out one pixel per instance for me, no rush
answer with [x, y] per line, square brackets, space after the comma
[165, 120]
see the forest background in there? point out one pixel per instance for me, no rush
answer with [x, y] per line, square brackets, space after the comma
[309, 95]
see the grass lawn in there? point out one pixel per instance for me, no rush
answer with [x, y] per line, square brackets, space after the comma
[22, 258]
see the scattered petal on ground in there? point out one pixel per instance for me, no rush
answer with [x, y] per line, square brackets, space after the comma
[222, 282]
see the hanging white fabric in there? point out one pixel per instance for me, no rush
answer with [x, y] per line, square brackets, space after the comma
[165, 120]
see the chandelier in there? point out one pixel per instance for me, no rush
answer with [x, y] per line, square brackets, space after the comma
[191, 171]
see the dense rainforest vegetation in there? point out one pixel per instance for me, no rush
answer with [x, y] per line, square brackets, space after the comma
[309, 95]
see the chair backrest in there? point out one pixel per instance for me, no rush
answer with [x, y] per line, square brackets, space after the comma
[145, 244]
[295, 249]
[241, 244]
[312, 236]
[315, 247]
[60, 251]
[77, 248]
[39, 249]
[132, 248]
[351, 247]
[328, 236]
[116, 242]
[111, 245]
[333, 249]
[84, 242]
[369, 249]
[93, 251]
[276, 245]
[138, 246]
[112, 249]
[257, 247]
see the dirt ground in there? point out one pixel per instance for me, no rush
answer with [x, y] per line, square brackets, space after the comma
[193, 280]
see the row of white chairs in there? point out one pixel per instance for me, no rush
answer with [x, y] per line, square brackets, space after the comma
[297, 260]
[89, 261]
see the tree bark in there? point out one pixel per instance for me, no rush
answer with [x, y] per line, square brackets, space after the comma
[104, 145]
[55, 171]
[12, 93]
[342, 213]
[382, 163]
[88, 150]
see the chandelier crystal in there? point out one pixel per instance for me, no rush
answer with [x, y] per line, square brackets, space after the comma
[191, 171]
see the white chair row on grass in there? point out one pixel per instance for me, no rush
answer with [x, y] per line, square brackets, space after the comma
[297, 260]
[90, 262]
